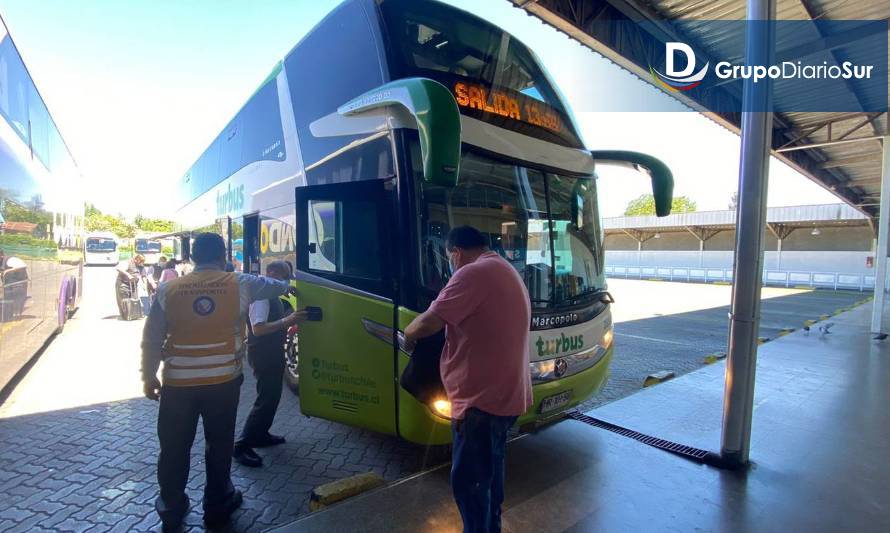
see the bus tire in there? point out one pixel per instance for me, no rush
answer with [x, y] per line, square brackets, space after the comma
[291, 365]
[62, 305]
[72, 298]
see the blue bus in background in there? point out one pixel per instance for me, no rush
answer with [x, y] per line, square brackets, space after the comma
[41, 219]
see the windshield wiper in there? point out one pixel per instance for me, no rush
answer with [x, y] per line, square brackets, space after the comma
[604, 297]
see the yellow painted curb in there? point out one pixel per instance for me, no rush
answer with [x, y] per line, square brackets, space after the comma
[722, 283]
[658, 377]
[335, 491]
[808, 323]
[714, 357]
[762, 340]
[802, 287]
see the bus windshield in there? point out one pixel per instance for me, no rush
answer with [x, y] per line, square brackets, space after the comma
[100, 244]
[545, 224]
[146, 246]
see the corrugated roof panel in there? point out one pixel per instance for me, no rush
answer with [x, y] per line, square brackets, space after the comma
[850, 170]
[799, 214]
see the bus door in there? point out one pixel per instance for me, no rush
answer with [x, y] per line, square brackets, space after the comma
[345, 247]
[250, 247]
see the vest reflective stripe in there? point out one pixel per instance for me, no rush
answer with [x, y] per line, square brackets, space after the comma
[192, 382]
[199, 346]
[206, 361]
[204, 323]
[190, 373]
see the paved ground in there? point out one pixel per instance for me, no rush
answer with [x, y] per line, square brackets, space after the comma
[78, 444]
[673, 326]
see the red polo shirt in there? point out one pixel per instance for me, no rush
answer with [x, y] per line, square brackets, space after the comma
[485, 362]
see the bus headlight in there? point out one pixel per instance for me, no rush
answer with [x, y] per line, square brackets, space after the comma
[608, 337]
[442, 408]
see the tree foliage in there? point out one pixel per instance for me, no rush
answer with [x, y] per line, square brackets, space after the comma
[96, 220]
[154, 225]
[645, 205]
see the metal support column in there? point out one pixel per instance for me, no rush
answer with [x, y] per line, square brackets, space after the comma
[779, 254]
[877, 310]
[756, 135]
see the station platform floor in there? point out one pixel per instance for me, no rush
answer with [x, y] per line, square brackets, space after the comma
[819, 458]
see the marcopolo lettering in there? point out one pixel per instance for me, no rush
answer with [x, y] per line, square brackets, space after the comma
[554, 321]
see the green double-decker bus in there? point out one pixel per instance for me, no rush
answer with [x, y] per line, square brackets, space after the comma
[390, 123]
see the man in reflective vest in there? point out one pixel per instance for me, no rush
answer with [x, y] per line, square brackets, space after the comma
[196, 327]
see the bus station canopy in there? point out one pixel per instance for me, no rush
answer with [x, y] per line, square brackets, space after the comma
[840, 151]
[787, 217]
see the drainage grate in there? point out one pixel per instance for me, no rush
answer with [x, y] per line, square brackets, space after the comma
[694, 454]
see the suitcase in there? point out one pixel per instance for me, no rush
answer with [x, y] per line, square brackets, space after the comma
[132, 309]
[132, 305]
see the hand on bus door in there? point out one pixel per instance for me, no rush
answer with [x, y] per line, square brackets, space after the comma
[297, 316]
[152, 389]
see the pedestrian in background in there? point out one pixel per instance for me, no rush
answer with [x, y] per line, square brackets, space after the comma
[486, 313]
[129, 279]
[169, 271]
[266, 335]
[196, 327]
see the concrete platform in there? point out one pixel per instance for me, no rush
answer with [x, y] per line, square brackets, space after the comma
[821, 440]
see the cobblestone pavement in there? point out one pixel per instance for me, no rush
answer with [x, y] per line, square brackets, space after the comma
[71, 462]
[78, 443]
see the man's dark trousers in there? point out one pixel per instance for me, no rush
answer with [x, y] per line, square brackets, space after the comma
[267, 362]
[178, 415]
[477, 468]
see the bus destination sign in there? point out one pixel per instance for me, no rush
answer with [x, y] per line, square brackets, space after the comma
[475, 96]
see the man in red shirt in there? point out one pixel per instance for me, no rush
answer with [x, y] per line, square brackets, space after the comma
[485, 310]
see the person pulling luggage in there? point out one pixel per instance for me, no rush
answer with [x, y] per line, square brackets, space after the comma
[129, 275]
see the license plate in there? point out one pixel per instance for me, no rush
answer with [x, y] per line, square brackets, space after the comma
[552, 403]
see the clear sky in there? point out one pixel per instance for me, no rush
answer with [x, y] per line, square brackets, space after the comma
[139, 88]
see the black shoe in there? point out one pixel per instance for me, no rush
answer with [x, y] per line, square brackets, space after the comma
[269, 440]
[247, 457]
[172, 526]
[172, 519]
[221, 517]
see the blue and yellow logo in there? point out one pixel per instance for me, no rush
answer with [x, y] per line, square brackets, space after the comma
[204, 305]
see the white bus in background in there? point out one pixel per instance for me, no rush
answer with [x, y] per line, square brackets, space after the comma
[148, 248]
[102, 248]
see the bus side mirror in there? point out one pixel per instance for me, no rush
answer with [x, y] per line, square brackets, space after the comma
[438, 122]
[659, 173]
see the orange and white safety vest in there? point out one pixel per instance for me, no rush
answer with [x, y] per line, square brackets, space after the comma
[205, 329]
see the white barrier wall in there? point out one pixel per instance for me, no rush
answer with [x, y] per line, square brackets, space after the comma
[846, 262]
[815, 269]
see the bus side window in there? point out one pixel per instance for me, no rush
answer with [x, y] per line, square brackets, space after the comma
[350, 66]
[329, 223]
